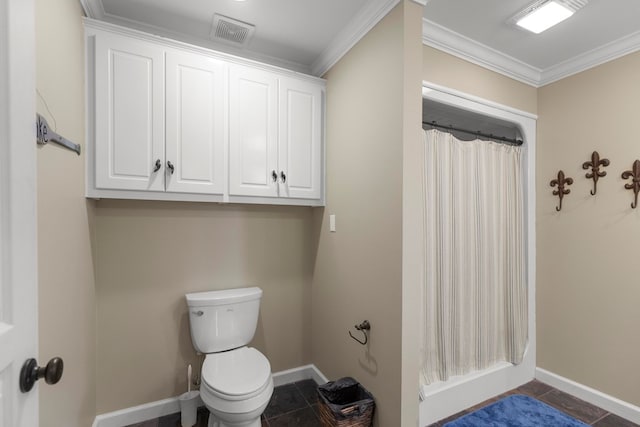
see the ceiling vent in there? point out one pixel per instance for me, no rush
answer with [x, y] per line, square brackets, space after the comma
[231, 31]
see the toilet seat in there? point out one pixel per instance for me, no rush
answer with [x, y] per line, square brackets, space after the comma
[236, 382]
[236, 374]
[251, 404]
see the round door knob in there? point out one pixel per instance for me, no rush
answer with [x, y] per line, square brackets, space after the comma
[31, 372]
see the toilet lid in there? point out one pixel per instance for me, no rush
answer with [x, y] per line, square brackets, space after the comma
[236, 372]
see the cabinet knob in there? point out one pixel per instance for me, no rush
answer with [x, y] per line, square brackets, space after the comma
[170, 167]
[274, 176]
[157, 166]
[283, 177]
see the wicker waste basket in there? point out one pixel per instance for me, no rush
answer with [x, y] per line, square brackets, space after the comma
[345, 403]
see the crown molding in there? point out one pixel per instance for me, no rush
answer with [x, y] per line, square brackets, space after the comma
[204, 43]
[93, 9]
[448, 41]
[365, 20]
[361, 24]
[598, 56]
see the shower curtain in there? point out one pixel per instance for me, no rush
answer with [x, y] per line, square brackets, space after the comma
[475, 292]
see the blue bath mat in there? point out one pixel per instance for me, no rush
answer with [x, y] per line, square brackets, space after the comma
[516, 411]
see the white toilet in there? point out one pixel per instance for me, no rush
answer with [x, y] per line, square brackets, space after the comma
[236, 381]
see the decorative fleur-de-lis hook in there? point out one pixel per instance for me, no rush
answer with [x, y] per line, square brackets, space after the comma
[635, 183]
[595, 173]
[561, 181]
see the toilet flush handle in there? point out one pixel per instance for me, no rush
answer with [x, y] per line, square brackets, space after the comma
[198, 313]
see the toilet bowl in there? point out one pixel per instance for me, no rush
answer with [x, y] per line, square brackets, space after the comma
[236, 381]
[236, 386]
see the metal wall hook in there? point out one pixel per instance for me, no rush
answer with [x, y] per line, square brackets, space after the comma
[634, 173]
[363, 327]
[595, 173]
[561, 181]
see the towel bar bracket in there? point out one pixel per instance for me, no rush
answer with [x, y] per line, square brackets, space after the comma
[45, 135]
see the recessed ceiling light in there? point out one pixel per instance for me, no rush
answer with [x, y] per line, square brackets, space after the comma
[544, 14]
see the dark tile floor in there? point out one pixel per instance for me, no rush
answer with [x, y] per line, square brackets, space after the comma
[292, 405]
[296, 405]
[585, 412]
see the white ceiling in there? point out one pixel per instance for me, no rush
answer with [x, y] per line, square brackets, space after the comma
[303, 35]
[311, 35]
[479, 30]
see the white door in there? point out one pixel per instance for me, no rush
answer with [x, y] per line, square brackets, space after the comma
[196, 133]
[18, 263]
[129, 146]
[300, 139]
[253, 138]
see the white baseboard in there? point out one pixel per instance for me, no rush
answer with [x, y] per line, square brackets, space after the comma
[160, 408]
[608, 403]
[298, 374]
[138, 414]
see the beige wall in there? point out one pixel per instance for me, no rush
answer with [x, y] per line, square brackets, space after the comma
[588, 265]
[586, 262]
[447, 70]
[65, 265]
[358, 269]
[153, 251]
[149, 254]
[411, 211]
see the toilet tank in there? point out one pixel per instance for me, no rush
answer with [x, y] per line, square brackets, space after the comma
[223, 320]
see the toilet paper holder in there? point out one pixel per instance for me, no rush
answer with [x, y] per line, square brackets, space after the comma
[362, 327]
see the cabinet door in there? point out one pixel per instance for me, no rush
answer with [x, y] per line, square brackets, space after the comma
[253, 132]
[195, 123]
[300, 144]
[129, 114]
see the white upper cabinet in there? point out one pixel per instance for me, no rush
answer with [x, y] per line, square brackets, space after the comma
[129, 114]
[300, 136]
[195, 124]
[275, 135]
[170, 121]
[253, 132]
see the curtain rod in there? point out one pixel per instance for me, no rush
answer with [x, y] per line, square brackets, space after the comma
[477, 133]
